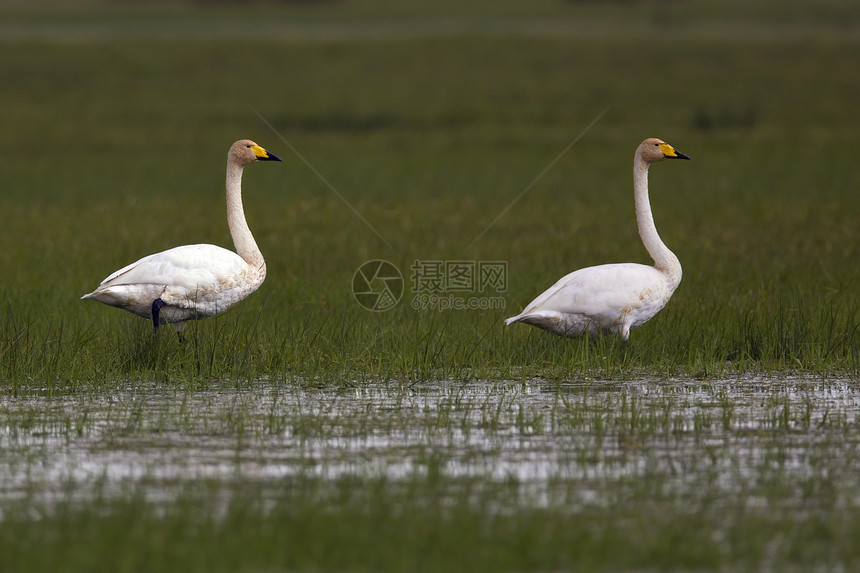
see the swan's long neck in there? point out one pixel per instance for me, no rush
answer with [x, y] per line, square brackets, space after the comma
[664, 260]
[244, 241]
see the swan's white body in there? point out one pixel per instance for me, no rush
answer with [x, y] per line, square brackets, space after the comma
[614, 298]
[195, 281]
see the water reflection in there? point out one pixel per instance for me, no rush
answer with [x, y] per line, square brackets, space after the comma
[579, 442]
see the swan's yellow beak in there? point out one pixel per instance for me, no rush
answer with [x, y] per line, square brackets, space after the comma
[263, 155]
[670, 153]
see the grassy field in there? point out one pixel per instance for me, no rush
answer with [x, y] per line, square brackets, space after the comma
[431, 131]
[429, 126]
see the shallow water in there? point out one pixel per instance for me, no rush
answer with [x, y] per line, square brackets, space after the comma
[574, 444]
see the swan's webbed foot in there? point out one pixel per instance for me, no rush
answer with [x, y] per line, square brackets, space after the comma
[156, 308]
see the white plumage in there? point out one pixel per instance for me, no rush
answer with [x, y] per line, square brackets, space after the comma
[195, 281]
[614, 298]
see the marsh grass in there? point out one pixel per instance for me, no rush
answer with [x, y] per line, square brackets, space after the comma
[711, 475]
[779, 335]
[435, 137]
[253, 537]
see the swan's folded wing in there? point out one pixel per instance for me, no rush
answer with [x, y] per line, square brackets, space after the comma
[595, 291]
[187, 267]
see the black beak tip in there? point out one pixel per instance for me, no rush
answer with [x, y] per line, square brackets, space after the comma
[682, 156]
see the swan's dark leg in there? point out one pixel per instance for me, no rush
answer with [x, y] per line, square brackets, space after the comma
[156, 307]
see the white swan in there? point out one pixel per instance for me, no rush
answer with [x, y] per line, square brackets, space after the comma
[195, 281]
[620, 297]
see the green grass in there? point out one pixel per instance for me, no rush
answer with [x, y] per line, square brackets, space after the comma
[118, 144]
[300, 534]
[118, 148]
